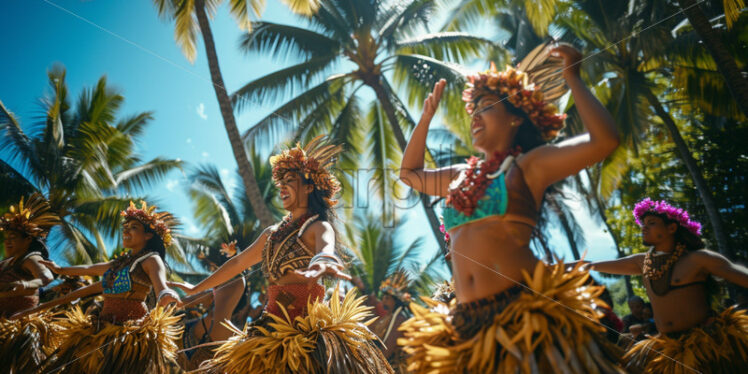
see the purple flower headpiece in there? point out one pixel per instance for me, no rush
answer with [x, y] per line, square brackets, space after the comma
[678, 215]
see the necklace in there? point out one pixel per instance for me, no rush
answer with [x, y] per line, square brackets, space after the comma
[464, 197]
[654, 273]
[288, 225]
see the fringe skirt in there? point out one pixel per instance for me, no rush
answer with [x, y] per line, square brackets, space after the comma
[550, 328]
[328, 337]
[94, 345]
[720, 346]
[25, 343]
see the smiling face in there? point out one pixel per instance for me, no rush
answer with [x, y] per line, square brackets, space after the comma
[491, 123]
[655, 230]
[134, 235]
[16, 243]
[294, 193]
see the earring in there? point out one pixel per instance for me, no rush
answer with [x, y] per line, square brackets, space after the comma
[515, 123]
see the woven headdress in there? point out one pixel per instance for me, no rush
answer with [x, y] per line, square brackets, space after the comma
[532, 86]
[160, 222]
[312, 162]
[397, 285]
[32, 218]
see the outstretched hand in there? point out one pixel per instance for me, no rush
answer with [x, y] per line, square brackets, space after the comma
[432, 101]
[315, 271]
[188, 288]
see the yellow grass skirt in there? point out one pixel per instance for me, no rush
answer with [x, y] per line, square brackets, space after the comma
[552, 329]
[147, 345]
[331, 338]
[721, 346]
[26, 342]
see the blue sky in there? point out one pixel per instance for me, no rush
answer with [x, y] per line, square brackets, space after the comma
[136, 51]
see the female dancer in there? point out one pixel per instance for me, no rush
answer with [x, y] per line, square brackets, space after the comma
[513, 312]
[24, 343]
[125, 336]
[298, 332]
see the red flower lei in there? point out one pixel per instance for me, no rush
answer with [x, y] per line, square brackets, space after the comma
[288, 225]
[464, 198]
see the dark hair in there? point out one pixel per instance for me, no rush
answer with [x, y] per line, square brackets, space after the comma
[682, 235]
[528, 136]
[154, 244]
[37, 244]
[317, 205]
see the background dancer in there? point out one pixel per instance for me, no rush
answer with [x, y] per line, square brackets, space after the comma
[677, 271]
[298, 332]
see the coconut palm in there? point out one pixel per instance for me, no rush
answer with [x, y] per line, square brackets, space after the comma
[192, 17]
[632, 93]
[714, 44]
[82, 158]
[379, 252]
[345, 46]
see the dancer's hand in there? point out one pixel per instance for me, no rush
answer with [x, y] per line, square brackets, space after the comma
[315, 271]
[432, 102]
[53, 267]
[188, 289]
[167, 300]
[572, 59]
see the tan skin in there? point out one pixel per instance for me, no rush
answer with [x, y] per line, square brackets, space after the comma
[684, 308]
[16, 245]
[481, 267]
[134, 237]
[294, 195]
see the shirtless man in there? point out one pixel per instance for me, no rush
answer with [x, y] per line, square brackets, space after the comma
[675, 272]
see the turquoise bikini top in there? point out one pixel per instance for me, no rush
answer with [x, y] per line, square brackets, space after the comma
[119, 278]
[507, 195]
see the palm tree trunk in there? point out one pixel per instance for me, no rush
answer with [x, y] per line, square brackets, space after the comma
[389, 110]
[696, 174]
[726, 65]
[227, 112]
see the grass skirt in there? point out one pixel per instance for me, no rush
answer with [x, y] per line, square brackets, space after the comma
[331, 338]
[147, 345]
[720, 346]
[26, 342]
[553, 329]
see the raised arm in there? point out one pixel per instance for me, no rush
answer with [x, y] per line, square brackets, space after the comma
[248, 258]
[718, 265]
[434, 182]
[91, 270]
[554, 162]
[630, 265]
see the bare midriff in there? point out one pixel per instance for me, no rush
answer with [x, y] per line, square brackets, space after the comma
[488, 257]
[681, 309]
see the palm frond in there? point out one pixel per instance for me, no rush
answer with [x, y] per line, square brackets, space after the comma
[283, 41]
[446, 46]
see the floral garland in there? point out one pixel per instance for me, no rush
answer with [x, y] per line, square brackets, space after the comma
[661, 207]
[464, 198]
[289, 225]
[514, 86]
[653, 273]
[159, 222]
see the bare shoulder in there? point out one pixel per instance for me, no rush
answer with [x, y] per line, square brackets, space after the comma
[319, 227]
[705, 255]
[153, 262]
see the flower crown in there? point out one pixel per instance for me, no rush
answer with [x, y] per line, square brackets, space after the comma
[160, 222]
[515, 86]
[313, 162]
[680, 216]
[33, 218]
[396, 285]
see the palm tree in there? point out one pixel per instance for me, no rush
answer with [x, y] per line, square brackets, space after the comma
[349, 45]
[192, 17]
[712, 40]
[376, 255]
[82, 158]
[630, 93]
